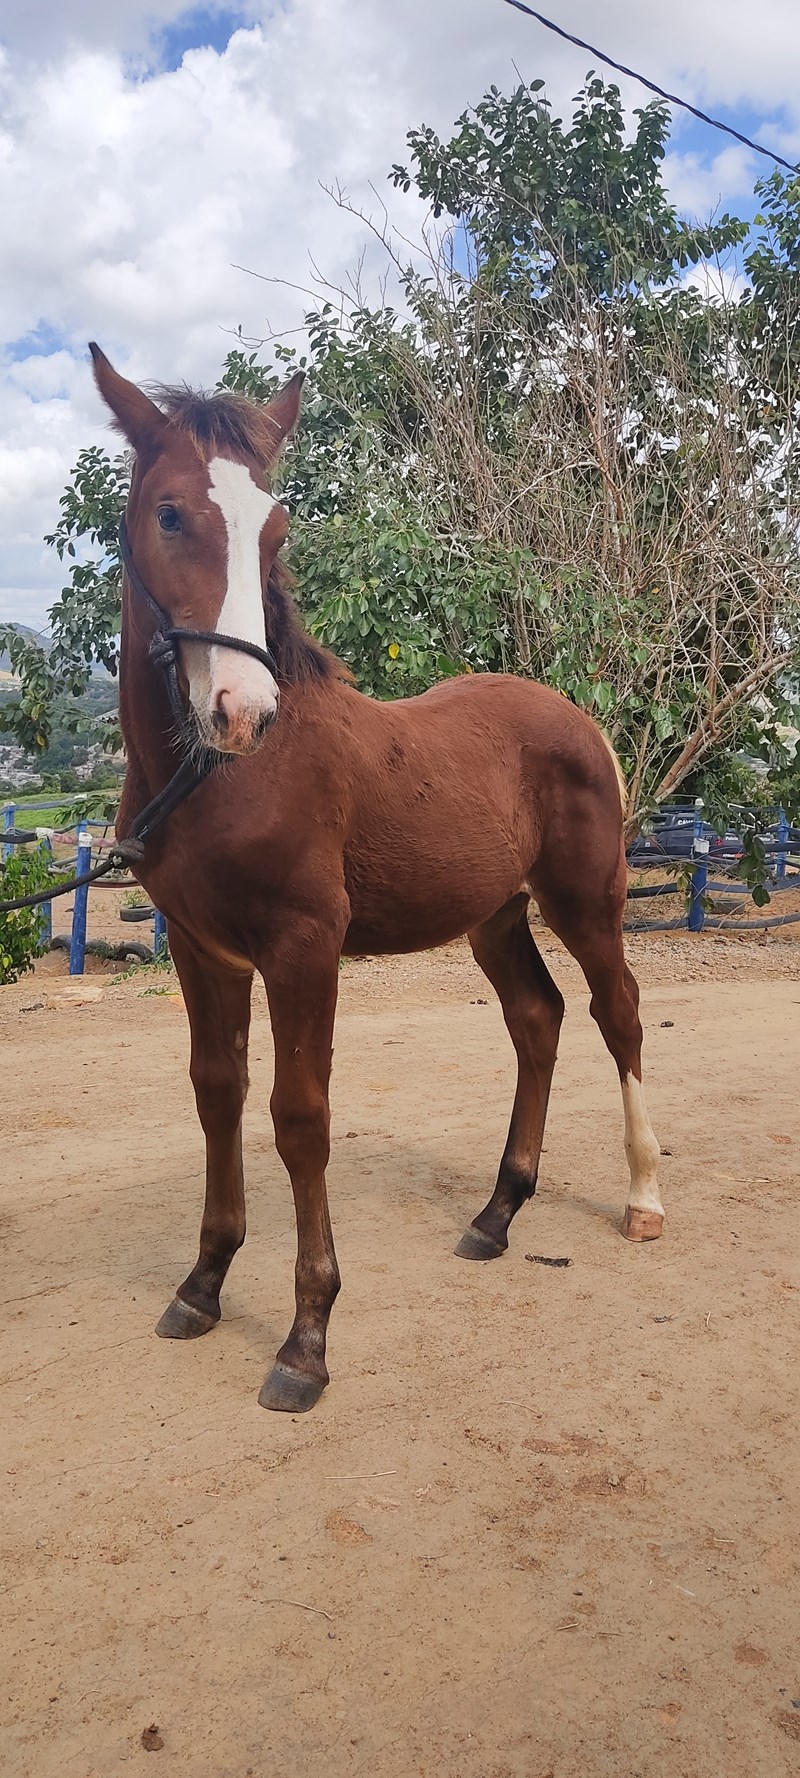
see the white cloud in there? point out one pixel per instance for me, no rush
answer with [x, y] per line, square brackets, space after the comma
[127, 195]
[717, 283]
[48, 29]
[702, 188]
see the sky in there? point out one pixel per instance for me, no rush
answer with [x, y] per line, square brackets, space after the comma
[147, 151]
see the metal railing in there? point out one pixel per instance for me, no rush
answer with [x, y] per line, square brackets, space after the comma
[781, 845]
[87, 842]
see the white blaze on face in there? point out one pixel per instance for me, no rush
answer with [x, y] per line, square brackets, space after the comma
[246, 684]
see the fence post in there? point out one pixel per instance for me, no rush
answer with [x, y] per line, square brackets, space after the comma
[46, 917]
[160, 946]
[77, 947]
[783, 836]
[9, 814]
[700, 850]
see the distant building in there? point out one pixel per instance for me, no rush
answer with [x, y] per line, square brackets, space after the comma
[17, 768]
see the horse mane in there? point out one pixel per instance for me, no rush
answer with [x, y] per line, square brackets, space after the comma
[299, 657]
[215, 421]
[219, 423]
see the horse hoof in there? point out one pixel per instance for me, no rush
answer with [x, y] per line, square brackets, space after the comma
[181, 1322]
[642, 1225]
[289, 1392]
[474, 1244]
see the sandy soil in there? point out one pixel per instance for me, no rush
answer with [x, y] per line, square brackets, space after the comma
[543, 1524]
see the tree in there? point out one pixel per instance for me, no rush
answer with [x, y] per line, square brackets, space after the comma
[84, 621]
[549, 455]
[21, 932]
[545, 206]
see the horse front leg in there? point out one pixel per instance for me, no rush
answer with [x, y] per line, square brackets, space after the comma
[301, 979]
[218, 1004]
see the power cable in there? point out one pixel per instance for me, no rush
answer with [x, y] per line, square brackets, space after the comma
[651, 86]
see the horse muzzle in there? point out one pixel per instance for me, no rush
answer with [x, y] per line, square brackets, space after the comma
[237, 727]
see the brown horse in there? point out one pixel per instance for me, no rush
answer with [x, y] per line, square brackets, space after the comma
[344, 827]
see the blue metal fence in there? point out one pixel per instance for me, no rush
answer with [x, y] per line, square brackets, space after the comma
[87, 842]
[781, 843]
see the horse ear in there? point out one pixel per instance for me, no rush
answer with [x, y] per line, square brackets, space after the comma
[281, 415]
[136, 415]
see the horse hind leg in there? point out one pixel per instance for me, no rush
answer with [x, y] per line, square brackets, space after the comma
[533, 1010]
[595, 940]
[644, 1211]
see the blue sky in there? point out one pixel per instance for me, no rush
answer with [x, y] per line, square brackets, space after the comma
[689, 136]
[199, 28]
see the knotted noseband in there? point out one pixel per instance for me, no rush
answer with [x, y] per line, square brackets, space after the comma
[162, 647]
[195, 765]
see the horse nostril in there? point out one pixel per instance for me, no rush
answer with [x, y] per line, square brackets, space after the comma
[264, 722]
[219, 720]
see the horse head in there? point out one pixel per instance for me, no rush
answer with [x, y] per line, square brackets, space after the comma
[204, 532]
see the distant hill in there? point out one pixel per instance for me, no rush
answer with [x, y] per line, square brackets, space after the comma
[30, 635]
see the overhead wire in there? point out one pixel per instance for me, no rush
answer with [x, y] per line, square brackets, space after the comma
[672, 98]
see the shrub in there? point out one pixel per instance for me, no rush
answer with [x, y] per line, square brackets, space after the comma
[21, 932]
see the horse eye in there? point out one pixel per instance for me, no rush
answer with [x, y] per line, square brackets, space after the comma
[169, 518]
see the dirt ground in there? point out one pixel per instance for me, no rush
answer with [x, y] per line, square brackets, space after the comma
[545, 1522]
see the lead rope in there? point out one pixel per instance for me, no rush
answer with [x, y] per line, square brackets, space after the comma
[190, 772]
[125, 852]
[131, 850]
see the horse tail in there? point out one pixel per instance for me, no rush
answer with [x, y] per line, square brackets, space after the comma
[620, 776]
